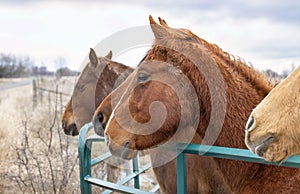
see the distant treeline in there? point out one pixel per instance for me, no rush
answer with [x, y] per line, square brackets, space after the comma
[12, 66]
[274, 77]
[65, 71]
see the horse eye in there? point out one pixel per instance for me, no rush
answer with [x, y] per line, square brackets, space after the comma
[142, 77]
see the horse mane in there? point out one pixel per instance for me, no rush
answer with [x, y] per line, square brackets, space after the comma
[257, 79]
[237, 73]
[145, 56]
[237, 64]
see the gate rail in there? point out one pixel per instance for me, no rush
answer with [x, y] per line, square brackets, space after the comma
[220, 152]
[85, 164]
[87, 180]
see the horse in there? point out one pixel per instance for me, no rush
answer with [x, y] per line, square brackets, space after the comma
[98, 78]
[179, 92]
[272, 130]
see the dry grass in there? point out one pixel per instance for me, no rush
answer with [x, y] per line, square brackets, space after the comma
[12, 112]
[19, 120]
[35, 155]
[11, 117]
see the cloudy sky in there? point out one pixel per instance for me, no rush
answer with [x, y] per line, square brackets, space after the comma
[265, 33]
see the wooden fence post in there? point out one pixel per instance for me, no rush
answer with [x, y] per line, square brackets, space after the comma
[34, 90]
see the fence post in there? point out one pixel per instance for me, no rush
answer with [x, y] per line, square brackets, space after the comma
[49, 102]
[61, 103]
[181, 172]
[34, 90]
[84, 160]
[135, 164]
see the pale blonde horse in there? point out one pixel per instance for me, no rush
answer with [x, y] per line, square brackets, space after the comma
[273, 128]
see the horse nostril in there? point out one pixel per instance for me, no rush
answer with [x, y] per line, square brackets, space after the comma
[250, 122]
[73, 129]
[126, 144]
[70, 129]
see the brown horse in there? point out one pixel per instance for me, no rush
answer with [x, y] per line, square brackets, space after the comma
[99, 77]
[157, 104]
[273, 128]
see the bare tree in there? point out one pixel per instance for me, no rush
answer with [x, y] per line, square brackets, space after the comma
[13, 66]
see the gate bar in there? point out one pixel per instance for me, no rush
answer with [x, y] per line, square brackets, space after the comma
[116, 187]
[220, 152]
[85, 162]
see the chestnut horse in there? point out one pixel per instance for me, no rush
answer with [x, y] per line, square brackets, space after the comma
[273, 128]
[179, 92]
[98, 78]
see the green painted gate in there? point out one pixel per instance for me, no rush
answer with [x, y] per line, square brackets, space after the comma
[87, 180]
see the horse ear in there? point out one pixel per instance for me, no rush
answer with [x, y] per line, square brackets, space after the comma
[159, 31]
[162, 22]
[93, 58]
[109, 55]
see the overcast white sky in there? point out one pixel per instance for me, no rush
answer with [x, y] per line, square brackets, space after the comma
[263, 32]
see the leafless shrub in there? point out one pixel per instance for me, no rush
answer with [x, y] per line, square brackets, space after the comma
[41, 158]
[46, 161]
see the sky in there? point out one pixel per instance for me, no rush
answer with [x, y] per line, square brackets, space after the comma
[265, 33]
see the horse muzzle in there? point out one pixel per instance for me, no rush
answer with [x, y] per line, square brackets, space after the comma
[70, 129]
[260, 146]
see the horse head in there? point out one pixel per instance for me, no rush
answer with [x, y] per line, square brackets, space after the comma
[95, 82]
[272, 130]
[159, 99]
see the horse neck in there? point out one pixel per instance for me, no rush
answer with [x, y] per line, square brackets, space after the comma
[243, 93]
[248, 73]
[111, 77]
[105, 84]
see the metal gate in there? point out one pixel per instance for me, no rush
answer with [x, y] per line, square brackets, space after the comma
[87, 180]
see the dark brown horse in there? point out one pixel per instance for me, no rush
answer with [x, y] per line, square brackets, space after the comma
[157, 104]
[100, 76]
